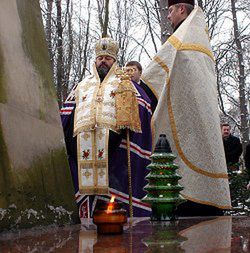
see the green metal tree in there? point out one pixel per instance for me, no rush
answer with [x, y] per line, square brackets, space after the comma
[163, 188]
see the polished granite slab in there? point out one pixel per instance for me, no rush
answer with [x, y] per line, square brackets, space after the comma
[193, 235]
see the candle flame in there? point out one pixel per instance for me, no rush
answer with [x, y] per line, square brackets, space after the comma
[112, 199]
[111, 204]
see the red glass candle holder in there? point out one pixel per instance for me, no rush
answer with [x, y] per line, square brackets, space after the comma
[109, 218]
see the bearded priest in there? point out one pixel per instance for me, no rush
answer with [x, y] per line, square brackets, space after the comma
[97, 150]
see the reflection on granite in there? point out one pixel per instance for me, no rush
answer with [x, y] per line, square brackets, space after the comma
[222, 234]
[209, 236]
[165, 238]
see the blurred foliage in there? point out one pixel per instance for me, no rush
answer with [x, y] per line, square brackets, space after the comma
[240, 196]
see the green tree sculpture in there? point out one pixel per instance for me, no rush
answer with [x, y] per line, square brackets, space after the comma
[163, 188]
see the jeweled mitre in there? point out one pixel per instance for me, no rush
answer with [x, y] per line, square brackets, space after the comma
[106, 46]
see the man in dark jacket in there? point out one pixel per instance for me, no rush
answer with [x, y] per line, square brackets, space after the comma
[136, 77]
[247, 163]
[232, 147]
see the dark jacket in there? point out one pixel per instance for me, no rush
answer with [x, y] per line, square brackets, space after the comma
[150, 94]
[233, 149]
[247, 159]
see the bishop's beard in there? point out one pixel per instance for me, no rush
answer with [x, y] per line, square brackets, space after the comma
[102, 71]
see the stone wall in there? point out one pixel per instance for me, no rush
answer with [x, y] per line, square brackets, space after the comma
[35, 181]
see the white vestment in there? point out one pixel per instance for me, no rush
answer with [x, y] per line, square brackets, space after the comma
[183, 74]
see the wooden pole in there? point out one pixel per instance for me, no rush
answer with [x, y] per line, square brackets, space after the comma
[129, 179]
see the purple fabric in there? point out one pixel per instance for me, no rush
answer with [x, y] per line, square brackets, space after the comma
[118, 179]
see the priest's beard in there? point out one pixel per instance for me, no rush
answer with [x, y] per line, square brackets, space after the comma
[103, 70]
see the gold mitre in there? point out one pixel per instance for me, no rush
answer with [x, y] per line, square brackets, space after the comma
[106, 46]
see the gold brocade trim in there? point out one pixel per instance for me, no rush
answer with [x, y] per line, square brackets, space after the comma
[99, 104]
[161, 63]
[86, 164]
[127, 108]
[108, 114]
[199, 48]
[108, 119]
[205, 202]
[85, 128]
[96, 116]
[111, 104]
[83, 107]
[96, 191]
[91, 116]
[94, 104]
[89, 85]
[178, 45]
[88, 117]
[177, 142]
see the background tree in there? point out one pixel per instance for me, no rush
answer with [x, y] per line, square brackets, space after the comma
[140, 26]
[230, 47]
[68, 34]
[241, 79]
[72, 28]
[166, 28]
[103, 15]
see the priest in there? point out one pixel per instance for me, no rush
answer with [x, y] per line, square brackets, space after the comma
[97, 149]
[183, 74]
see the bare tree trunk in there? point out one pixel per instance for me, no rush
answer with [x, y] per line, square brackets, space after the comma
[200, 4]
[147, 12]
[166, 28]
[85, 50]
[106, 19]
[242, 80]
[68, 64]
[48, 29]
[103, 10]
[59, 66]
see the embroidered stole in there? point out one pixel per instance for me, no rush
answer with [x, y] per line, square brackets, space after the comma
[95, 114]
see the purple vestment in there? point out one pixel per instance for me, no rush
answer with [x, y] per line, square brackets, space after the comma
[140, 151]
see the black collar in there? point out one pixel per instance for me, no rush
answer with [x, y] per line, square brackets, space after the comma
[178, 25]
